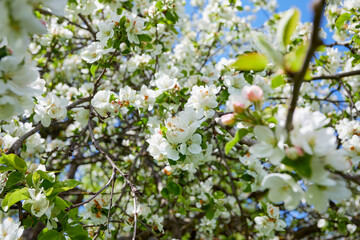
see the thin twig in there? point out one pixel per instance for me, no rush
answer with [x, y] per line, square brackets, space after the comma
[299, 77]
[112, 178]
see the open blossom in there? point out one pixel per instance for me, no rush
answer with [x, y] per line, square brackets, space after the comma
[50, 107]
[159, 148]
[94, 209]
[164, 82]
[106, 31]
[283, 188]
[10, 230]
[94, 52]
[269, 144]
[319, 195]
[39, 203]
[204, 98]
[20, 82]
[134, 27]
[182, 127]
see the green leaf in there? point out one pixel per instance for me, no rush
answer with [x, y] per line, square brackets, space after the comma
[14, 178]
[144, 38]
[240, 133]
[277, 81]
[165, 193]
[247, 177]
[287, 26]
[13, 197]
[93, 69]
[76, 232]
[50, 234]
[174, 188]
[302, 165]
[219, 195]
[14, 161]
[65, 185]
[264, 46]
[293, 60]
[250, 61]
[342, 19]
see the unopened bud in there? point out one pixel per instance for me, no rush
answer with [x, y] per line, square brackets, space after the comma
[294, 152]
[228, 119]
[238, 107]
[254, 93]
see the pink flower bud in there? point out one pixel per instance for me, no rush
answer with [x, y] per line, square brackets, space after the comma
[254, 93]
[239, 107]
[228, 119]
[112, 102]
[294, 152]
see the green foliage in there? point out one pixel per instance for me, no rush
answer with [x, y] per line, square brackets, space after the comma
[287, 26]
[250, 61]
[240, 133]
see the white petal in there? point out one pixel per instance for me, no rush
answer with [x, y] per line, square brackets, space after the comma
[262, 149]
[195, 148]
[264, 134]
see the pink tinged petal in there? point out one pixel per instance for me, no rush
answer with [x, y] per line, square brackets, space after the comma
[262, 150]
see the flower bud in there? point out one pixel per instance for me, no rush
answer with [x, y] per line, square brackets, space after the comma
[253, 93]
[294, 152]
[228, 119]
[239, 107]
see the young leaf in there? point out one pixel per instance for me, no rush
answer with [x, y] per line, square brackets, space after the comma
[238, 136]
[250, 61]
[287, 26]
[93, 69]
[13, 197]
[277, 81]
[264, 46]
[342, 19]
[14, 161]
[293, 60]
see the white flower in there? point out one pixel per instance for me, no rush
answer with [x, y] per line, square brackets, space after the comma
[93, 209]
[319, 195]
[164, 82]
[17, 22]
[39, 203]
[283, 188]
[203, 98]
[9, 230]
[106, 31]
[101, 102]
[182, 127]
[134, 27]
[94, 52]
[19, 80]
[270, 145]
[50, 107]
[194, 145]
[264, 225]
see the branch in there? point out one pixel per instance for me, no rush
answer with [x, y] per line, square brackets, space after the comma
[298, 79]
[337, 76]
[89, 28]
[112, 178]
[17, 144]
